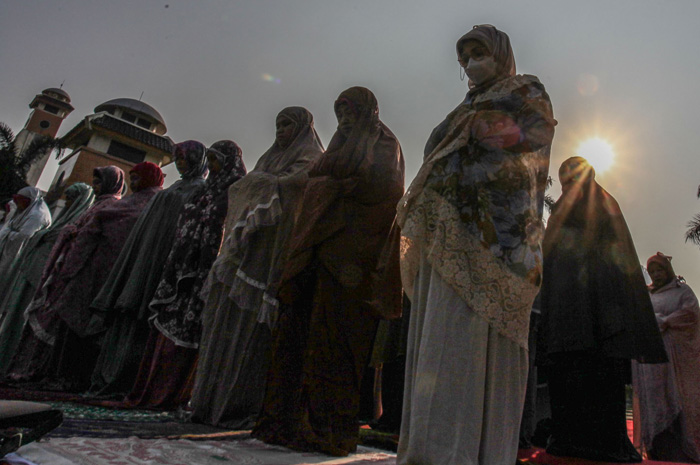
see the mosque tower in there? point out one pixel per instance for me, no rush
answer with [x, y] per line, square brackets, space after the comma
[122, 132]
[49, 109]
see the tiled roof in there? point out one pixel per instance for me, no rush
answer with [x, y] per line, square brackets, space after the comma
[146, 137]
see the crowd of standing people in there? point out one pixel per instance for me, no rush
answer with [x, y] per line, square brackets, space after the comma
[252, 300]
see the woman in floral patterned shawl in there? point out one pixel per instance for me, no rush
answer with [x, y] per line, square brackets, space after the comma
[166, 373]
[240, 294]
[23, 278]
[472, 262]
[121, 305]
[332, 292]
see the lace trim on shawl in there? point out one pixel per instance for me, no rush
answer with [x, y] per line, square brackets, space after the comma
[485, 283]
[263, 214]
[166, 333]
[255, 299]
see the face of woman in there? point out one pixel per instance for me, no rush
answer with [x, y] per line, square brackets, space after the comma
[213, 163]
[181, 163]
[346, 119]
[659, 276]
[285, 131]
[477, 63]
[96, 185]
[569, 174]
[22, 202]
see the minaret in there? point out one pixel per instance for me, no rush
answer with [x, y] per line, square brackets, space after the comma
[49, 109]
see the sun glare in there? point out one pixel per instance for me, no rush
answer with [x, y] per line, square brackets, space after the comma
[598, 152]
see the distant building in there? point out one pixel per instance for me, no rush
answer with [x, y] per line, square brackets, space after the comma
[49, 109]
[121, 132]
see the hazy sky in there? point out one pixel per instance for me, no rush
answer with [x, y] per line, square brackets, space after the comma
[626, 71]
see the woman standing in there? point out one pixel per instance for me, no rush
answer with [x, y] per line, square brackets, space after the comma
[471, 224]
[166, 373]
[122, 304]
[67, 287]
[668, 393]
[334, 296]
[241, 290]
[596, 317]
[22, 280]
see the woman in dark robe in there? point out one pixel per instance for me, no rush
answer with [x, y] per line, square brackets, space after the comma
[335, 297]
[240, 294]
[75, 270]
[22, 281]
[596, 317]
[166, 373]
[122, 304]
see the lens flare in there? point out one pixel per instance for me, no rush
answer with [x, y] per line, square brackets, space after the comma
[270, 78]
[598, 152]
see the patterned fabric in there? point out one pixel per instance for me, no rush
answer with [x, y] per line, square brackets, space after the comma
[476, 204]
[176, 303]
[194, 152]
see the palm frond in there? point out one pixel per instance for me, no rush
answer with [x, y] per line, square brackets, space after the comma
[550, 181]
[549, 203]
[693, 232]
[36, 149]
[7, 137]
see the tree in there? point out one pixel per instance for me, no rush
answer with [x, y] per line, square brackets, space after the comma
[693, 232]
[14, 165]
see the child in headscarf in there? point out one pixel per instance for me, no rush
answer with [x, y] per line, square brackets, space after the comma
[166, 372]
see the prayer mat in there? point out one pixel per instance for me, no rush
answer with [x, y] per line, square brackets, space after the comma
[540, 457]
[134, 451]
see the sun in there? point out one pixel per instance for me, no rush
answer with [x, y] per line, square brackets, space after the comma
[598, 152]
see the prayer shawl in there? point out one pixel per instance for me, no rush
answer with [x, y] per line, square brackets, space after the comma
[22, 226]
[348, 209]
[475, 207]
[261, 218]
[23, 279]
[136, 272]
[176, 305]
[594, 297]
[668, 392]
[82, 257]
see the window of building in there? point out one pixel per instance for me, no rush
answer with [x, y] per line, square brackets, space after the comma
[143, 123]
[128, 117]
[126, 152]
[43, 124]
[51, 109]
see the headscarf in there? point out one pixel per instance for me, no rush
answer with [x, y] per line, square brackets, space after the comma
[304, 139]
[176, 304]
[113, 181]
[229, 155]
[195, 153]
[665, 262]
[82, 196]
[37, 207]
[342, 160]
[151, 175]
[497, 43]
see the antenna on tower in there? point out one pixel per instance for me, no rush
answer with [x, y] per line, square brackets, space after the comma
[141, 96]
[61, 86]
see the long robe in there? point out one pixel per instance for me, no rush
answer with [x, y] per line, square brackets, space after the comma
[668, 393]
[472, 262]
[596, 317]
[25, 274]
[122, 303]
[323, 343]
[166, 372]
[241, 291]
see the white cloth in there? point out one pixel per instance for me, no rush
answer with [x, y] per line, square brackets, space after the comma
[670, 391]
[22, 226]
[465, 382]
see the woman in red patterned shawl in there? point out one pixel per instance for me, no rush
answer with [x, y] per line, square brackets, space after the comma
[326, 331]
[166, 374]
[76, 270]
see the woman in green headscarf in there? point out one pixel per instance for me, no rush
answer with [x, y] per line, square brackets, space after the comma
[22, 280]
